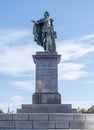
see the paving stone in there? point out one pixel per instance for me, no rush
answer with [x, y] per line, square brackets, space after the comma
[62, 129]
[89, 117]
[79, 117]
[23, 124]
[25, 129]
[38, 116]
[62, 124]
[43, 124]
[89, 125]
[5, 117]
[60, 117]
[21, 116]
[6, 124]
[77, 125]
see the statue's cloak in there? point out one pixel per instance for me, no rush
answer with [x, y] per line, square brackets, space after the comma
[37, 31]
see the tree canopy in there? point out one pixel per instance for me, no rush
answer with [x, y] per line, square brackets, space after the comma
[1, 111]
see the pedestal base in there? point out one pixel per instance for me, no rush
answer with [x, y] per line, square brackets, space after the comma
[46, 98]
[47, 121]
[46, 108]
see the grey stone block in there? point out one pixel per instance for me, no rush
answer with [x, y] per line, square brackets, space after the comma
[77, 125]
[6, 124]
[22, 129]
[5, 117]
[21, 116]
[45, 108]
[27, 129]
[61, 106]
[62, 124]
[19, 129]
[79, 117]
[60, 117]
[23, 124]
[89, 117]
[61, 129]
[43, 124]
[89, 125]
[46, 98]
[38, 117]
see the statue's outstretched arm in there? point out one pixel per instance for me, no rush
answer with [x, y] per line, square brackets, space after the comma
[35, 22]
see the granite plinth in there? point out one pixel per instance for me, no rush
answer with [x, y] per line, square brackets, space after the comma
[46, 108]
[46, 78]
[46, 72]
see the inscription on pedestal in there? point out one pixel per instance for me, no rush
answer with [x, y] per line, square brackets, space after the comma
[46, 79]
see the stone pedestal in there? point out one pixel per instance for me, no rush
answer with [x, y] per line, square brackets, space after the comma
[46, 98]
[46, 78]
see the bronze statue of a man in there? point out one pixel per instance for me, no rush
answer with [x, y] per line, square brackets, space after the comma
[44, 33]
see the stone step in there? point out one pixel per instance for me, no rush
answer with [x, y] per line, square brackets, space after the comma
[47, 117]
[45, 111]
[46, 121]
[64, 106]
[47, 125]
[46, 108]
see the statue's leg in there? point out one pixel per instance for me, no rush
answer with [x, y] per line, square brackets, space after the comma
[47, 45]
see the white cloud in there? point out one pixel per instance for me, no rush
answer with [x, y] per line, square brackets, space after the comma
[17, 60]
[71, 71]
[14, 103]
[17, 98]
[88, 37]
[72, 50]
[24, 85]
[16, 50]
[11, 36]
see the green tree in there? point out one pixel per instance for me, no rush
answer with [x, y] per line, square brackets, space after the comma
[83, 110]
[90, 110]
[1, 111]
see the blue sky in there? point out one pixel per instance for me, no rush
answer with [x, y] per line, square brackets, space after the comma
[74, 24]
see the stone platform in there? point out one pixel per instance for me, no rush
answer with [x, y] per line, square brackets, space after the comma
[46, 98]
[47, 121]
[46, 108]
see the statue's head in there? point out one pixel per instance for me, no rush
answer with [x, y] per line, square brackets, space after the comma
[46, 14]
